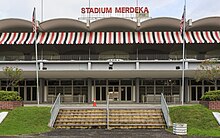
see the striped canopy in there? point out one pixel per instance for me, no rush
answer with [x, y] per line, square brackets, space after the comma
[70, 38]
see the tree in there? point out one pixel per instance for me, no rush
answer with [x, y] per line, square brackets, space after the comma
[208, 70]
[14, 75]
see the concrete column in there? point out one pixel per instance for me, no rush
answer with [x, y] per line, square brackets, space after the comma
[89, 65]
[137, 65]
[186, 90]
[137, 89]
[41, 90]
[89, 90]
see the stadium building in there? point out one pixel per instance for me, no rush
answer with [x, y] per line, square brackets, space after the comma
[132, 62]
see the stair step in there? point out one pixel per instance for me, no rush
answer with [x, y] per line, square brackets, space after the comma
[118, 118]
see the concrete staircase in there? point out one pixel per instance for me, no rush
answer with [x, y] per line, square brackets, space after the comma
[118, 118]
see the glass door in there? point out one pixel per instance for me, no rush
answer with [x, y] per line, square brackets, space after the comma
[196, 93]
[113, 92]
[100, 93]
[31, 94]
[126, 93]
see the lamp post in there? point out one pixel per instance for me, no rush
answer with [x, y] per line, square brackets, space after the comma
[42, 9]
[183, 60]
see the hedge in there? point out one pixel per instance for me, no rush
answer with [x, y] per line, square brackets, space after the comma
[211, 96]
[9, 96]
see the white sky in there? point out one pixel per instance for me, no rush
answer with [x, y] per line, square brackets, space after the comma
[23, 9]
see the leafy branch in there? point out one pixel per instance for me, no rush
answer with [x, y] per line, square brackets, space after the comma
[14, 75]
[208, 70]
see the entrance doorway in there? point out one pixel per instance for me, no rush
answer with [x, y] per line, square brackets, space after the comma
[126, 94]
[196, 93]
[113, 92]
[100, 93]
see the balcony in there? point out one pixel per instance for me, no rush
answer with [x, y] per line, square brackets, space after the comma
[106, 57]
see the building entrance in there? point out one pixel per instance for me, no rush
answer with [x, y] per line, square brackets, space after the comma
[196, 93]
[116, 93]
[113, 92]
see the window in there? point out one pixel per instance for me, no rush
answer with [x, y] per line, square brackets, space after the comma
[100, 82]
[53, 82]
[194, 82]
[148, 82]
[113, 82]
[126, 82]
[78, 82]
[66, 82]
[31, 83]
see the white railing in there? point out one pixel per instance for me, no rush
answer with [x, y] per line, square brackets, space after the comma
[54, 111]
[165, 111]
[106, 57]
[68, 98]
[156, 99]
[107, 112]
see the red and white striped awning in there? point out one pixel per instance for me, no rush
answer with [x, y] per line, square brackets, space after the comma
[71, 38]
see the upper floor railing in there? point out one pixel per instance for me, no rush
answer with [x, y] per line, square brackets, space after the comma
[106, 57]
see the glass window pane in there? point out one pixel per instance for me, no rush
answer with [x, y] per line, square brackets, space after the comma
[113, 82]
[161, 82]
[97, 93]
[28, 93]
[68, 90]
[123, 93]
[193, 93]
[148, 82]
[51, 91]
[150, 90]
[104, 93]
[76, 90]
[100, 82]
[34, 93]
[78, 82]
[53, 82]
[59, 90]
[194, 82]
[208, 83]
[31, 83]
[159, 90]
[206, 89]
[126, 82]
[22, 92]
[176, 90]
[66, 82]
[3, 88]
[129, 93]
[4, 83]
[199, 92]
[21, 83]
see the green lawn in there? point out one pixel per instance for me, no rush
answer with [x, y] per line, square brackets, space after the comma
[200, 120]
[26, 120]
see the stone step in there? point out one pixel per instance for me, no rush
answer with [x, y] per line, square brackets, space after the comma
[118, 118]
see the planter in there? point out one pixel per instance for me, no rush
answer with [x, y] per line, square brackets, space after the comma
[10, 104]
[213, 105]
[179, 128]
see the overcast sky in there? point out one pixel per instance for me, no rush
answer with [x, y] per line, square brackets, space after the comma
[23, 9]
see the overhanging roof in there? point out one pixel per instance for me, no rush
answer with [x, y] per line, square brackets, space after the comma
[109, 24]
[110, 37]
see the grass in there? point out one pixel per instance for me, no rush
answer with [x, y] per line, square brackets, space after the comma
[200, 120]
[26, 120]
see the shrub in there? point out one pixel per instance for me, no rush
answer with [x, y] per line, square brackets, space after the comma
[211, 96]
[9, 96]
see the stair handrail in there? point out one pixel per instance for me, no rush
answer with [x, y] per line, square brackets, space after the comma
[165, 111]
[54, 111]
[107, 112]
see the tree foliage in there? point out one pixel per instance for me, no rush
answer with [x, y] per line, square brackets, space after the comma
[14, 75]
[208, 70]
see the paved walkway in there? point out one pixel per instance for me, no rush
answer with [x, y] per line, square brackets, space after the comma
[102, 133]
